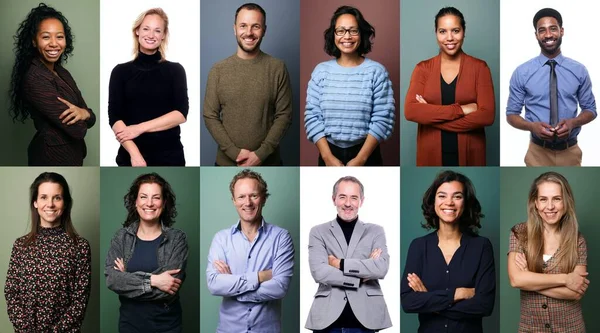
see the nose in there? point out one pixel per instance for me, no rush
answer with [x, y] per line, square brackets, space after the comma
[550, 204]
[53, 41]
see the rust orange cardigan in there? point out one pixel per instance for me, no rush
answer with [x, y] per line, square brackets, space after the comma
[474, 85]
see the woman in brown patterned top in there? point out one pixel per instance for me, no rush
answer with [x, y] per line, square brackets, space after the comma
[49, 276]
[43, 90]
[547, 259]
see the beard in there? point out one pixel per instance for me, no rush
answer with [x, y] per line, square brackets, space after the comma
[247, 48]
[550, 49]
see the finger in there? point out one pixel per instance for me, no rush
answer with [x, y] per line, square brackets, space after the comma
[173, 271]
[65, 102]
[69, 117]
[74, 120]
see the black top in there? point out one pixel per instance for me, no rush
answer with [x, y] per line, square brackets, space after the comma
[449, 139]
[347, 319]
[145, 89]
[471, 266]
[148, 316]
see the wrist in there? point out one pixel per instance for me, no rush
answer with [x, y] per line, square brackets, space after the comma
[153, 280]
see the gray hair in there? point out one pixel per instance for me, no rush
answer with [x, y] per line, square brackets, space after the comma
[349, 179]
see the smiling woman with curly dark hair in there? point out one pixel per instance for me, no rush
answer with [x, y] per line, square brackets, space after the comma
[43, 90]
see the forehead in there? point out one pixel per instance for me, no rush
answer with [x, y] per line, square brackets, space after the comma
[346, 20]
[546, 21]
[51, 25]
[249, 16]
[348, 188]
[451, 187]
[245, 185]
[154, 21]
[150, 188]
[49, 188]
[448, 20]
[547, 189]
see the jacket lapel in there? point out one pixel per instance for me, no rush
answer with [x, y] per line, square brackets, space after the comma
[338, 234]
[359, 229]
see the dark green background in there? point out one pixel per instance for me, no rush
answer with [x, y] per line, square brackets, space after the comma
[115, 184]
[84, 66]
[415, 181]
[217, 212]
[514, 191]
[418, 43]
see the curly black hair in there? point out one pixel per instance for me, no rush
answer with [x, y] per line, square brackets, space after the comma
[169, 212]
[25, 52]
[367, 32]
[471, 216]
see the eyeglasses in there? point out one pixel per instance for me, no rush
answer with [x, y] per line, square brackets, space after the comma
[342, 31]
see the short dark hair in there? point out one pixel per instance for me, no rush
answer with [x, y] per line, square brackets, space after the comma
[251, 6]
[367, 32]
[547, 12]
[247, 173]
[451, 11]
[169, 212]
[471, 216]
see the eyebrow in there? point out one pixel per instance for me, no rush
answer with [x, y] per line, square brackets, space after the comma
[443, 192]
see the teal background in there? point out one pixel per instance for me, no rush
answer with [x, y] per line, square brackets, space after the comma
[415, 181]
[84, 66]
[514, 191]
[115, 184]
[14, 203]
[217, 212]
[418, 40]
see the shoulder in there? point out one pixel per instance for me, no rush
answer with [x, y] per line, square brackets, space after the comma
[577, 68]
[428, 64]
[581, 242]
[120, 234]
[419, 243]
[374, 65]
[527, 67]
[320, 228]
[173, 66]
[276, 230]
[224, 63]
[272, 60]
[479, 241]
[122, 69]
[373, 228]
[474, 62]
[519, 228]
[325, 67]
[175, 233]
[19, 242]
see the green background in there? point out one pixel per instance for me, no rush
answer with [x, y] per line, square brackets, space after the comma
[415, 181]
[217, 212]
[514, 191]
[84, 184]
[115, 184]
[417, 35]
[84, 66]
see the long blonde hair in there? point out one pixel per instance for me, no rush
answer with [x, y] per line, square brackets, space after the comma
[138, 22]
[532, 238]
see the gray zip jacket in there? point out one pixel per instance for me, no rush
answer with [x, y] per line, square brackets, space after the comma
[172, 254]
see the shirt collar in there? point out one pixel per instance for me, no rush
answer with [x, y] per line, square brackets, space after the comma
[542, 59]
[238, 226]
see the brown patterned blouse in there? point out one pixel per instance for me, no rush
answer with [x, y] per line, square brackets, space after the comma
[48, 283]
[541, 313]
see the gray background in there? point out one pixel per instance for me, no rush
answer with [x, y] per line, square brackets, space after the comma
[282, 41]
[417, 36]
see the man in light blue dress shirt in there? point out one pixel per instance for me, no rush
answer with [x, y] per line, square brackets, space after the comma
[251, 263]
[550, 87]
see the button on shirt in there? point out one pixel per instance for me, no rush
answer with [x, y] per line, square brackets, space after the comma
[472, 266]
[250, 306]
[530, 87]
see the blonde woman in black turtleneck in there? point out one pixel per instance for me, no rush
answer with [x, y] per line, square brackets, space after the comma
[49, 276]
[148, 98]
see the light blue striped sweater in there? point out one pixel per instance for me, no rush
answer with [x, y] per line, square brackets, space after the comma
[344, 104]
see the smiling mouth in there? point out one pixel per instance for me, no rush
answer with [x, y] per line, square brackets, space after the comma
[52, 53]
[449, 211]
[549, 42]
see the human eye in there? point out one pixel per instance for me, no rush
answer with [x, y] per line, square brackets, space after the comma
[43, 197]
[542, 199]
[441, 196]
[354, 32]
[458, 196]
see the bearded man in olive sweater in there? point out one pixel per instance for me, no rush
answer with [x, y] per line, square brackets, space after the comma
[248, 100]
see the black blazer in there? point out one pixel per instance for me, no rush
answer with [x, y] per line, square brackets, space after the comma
[54, 143]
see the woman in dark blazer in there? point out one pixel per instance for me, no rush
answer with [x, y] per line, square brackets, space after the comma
[43, 90]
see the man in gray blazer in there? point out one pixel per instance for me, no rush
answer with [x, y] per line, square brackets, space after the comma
[347, 257]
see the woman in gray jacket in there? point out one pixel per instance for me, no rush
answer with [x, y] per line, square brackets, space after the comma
[147, 258]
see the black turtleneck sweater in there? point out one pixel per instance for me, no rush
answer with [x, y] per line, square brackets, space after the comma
[347, 319]
[145, 89]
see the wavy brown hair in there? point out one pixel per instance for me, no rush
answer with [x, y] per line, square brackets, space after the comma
[169, 212]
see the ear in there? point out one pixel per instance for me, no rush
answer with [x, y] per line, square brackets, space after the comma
[234, 32]
[562, 31]
[362, 201]
[333, 199]
[35, 204]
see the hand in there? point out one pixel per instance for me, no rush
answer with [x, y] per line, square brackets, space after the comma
[119, 265]
[577, 282]
[469, 108]
[166, 282]
[415, 283]
[332, 161]
[357, 161]
[128, 133]
[375, 254]
[564, 128]
[221, 267]
[420, 99]
[251, 160]
[463, 293]
[138, 161]
[73, 114]
[242, 156]
[264, 276]
[333, 261]
[542, 130]
[521, 261]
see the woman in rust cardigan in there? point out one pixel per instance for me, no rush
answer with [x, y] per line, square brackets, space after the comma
[451, 97]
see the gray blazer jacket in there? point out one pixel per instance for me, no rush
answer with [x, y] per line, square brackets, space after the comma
[336, 286]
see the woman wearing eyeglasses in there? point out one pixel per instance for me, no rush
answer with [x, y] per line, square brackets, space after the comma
[451, 98]
[349, 102]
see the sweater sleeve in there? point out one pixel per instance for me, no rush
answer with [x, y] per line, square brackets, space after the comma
[314, 123]
[180, 91]
[282, 117]
[116, 96]
[15, 306]
[382, 116]
[426, 114]
[212, 116]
